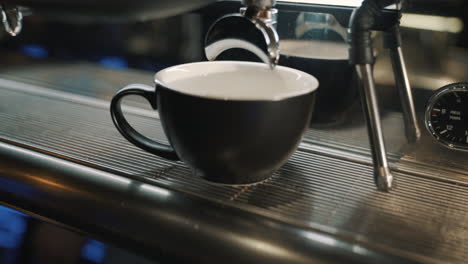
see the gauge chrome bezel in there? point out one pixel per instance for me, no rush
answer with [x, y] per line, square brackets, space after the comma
[461, 87]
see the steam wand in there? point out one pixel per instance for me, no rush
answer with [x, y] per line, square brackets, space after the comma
[392, 42]
[361, 55]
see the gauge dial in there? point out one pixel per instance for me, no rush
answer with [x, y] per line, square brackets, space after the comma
[447, 116]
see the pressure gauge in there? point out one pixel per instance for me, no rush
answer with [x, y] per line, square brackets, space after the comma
[447, 116]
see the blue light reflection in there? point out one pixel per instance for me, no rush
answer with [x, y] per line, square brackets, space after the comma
[94, 251]
[13, 225]
[114, 63]
[35, 51]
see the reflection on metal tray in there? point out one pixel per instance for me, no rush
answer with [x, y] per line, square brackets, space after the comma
[423, 218]
[348, 133]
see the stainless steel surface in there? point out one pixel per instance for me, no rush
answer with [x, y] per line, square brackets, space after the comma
[12, 27]
[165, 224]
[308, 21]
[262, 4]
[322, 189]
[269, 16]
[412, 130]
[90, 84]
[339, 3]
[382, 175]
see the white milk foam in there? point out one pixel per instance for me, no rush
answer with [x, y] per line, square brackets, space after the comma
[235, 80]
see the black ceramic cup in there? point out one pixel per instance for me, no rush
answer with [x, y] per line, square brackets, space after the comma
[232, 122]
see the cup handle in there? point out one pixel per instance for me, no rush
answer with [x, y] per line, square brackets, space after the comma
[137, 139]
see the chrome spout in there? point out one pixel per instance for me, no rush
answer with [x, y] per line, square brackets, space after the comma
[253, 29]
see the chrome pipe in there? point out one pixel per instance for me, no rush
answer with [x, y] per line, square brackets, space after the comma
[382, 175]
[412, 130]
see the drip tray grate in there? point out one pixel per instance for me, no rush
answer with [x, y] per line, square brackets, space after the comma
[421, 216]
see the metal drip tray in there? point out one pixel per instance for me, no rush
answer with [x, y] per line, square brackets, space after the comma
[423, 219]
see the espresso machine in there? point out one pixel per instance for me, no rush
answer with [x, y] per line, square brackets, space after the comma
[376, 178]
[262, 16]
